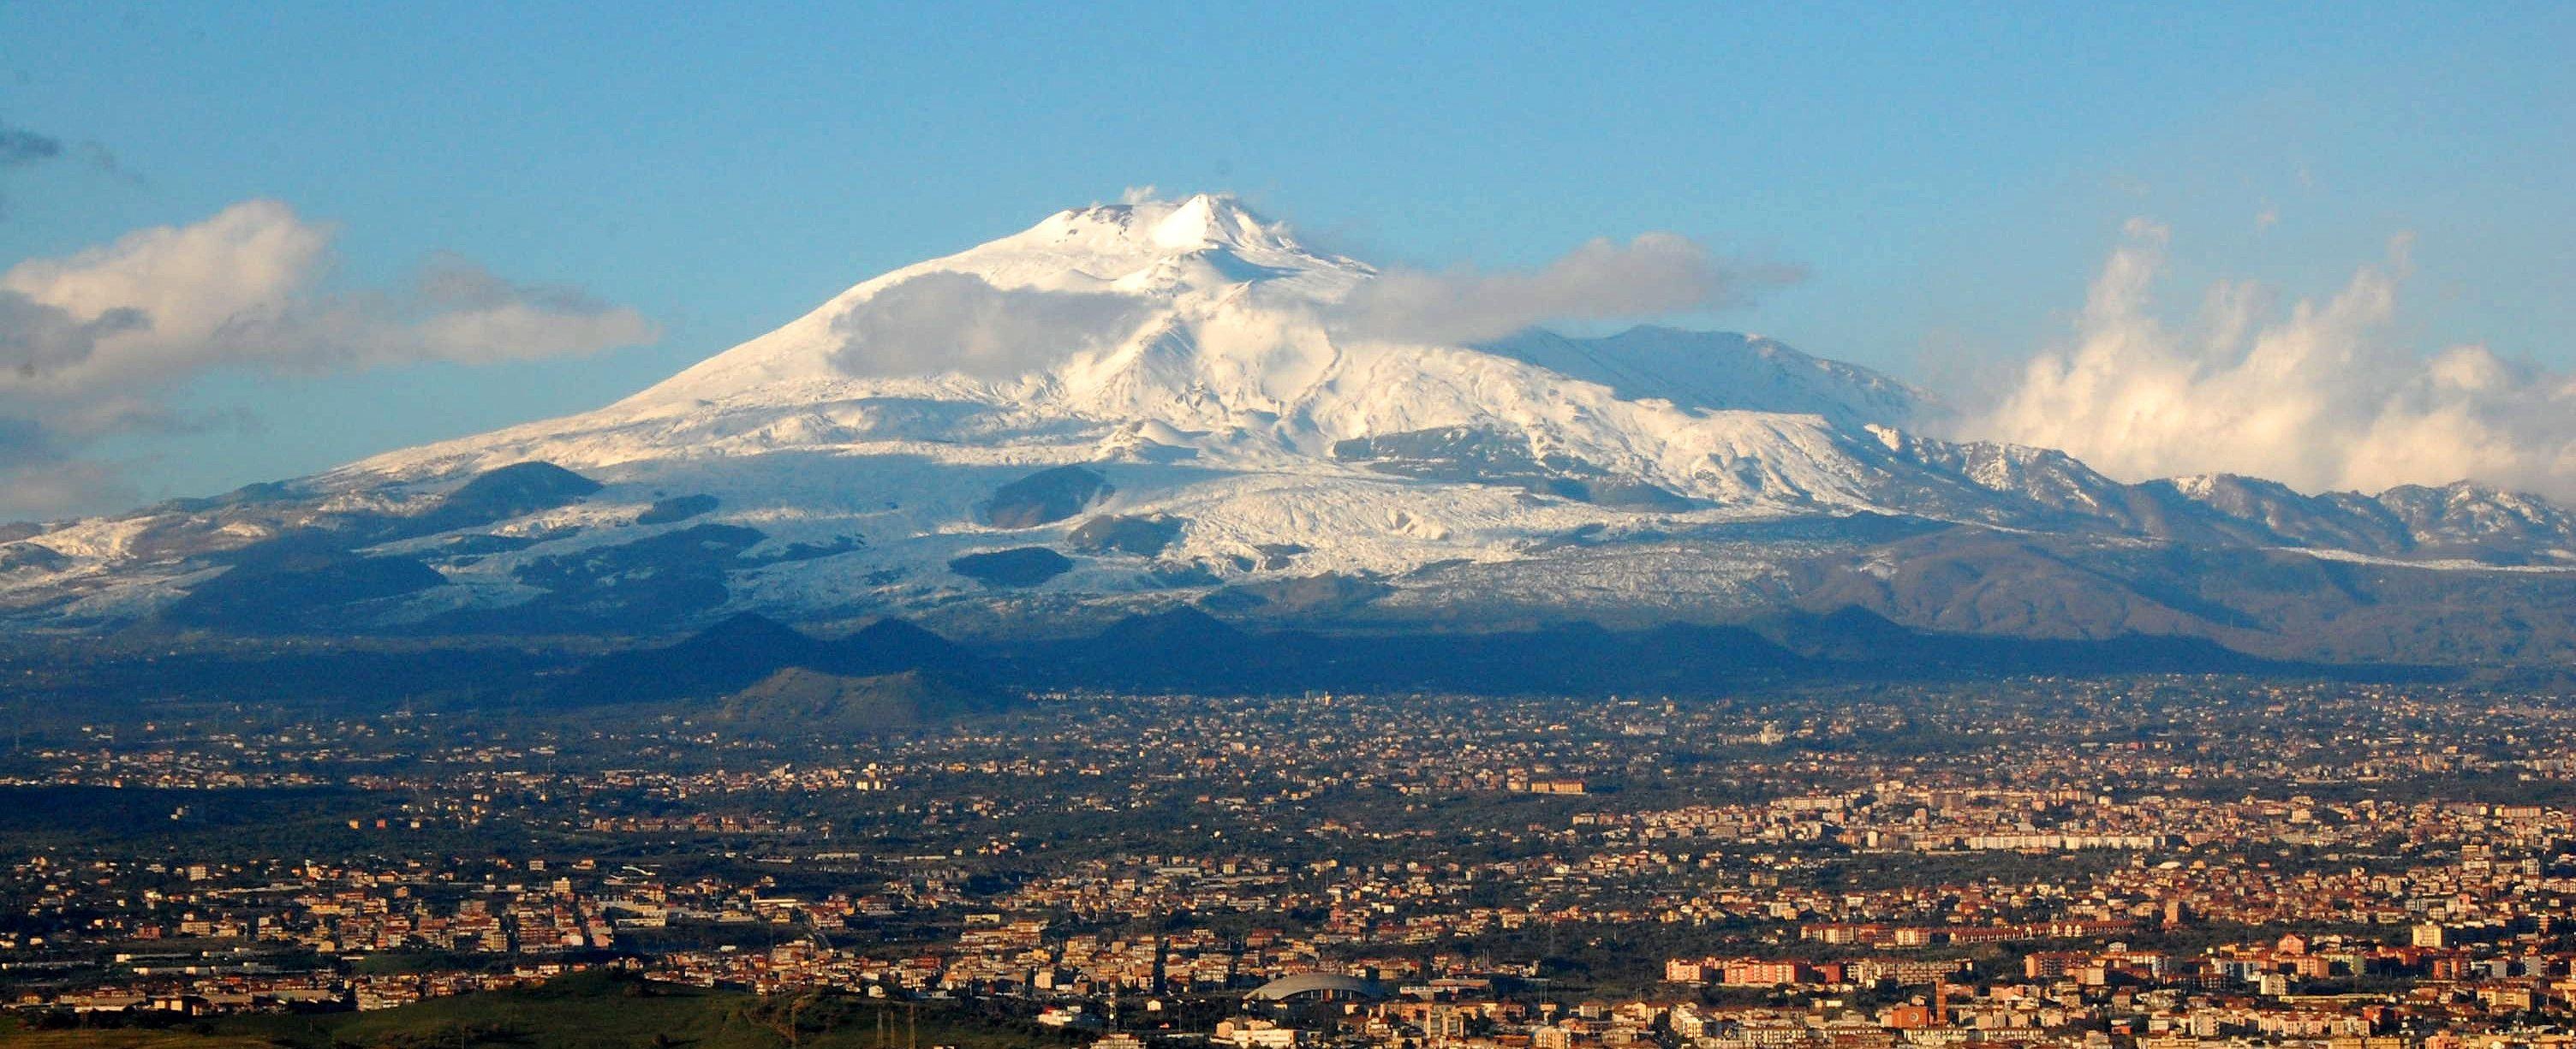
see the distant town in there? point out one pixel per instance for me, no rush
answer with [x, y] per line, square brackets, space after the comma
[2136, 862]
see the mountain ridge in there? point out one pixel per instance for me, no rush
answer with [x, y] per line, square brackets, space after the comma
[1163, 404]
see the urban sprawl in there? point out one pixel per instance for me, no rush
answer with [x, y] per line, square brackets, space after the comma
[2147, 862]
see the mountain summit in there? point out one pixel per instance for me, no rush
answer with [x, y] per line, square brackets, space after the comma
[1134, 406]
[1051, 291]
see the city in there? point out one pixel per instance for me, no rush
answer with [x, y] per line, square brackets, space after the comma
[2038, 860]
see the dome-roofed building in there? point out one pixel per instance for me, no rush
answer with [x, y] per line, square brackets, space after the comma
[1316, 987]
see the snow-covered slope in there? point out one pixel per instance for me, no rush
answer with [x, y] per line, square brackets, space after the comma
[1196, 328]
[1144, 402]
[1718, 371]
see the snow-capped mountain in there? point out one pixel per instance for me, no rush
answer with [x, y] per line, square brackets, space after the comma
[1195, 331]
[1141, 404]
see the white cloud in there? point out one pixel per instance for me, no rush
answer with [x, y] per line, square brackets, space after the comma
[1657, 273]
[943, 322]
[91, 344]
[2321, 396]
[940, 322]
[245, 288]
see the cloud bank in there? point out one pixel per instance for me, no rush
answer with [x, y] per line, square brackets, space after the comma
[91, 345]
[1657, 273]
[943, 322]
[2322, 396]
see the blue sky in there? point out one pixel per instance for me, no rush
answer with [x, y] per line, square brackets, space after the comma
[1951, 176]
